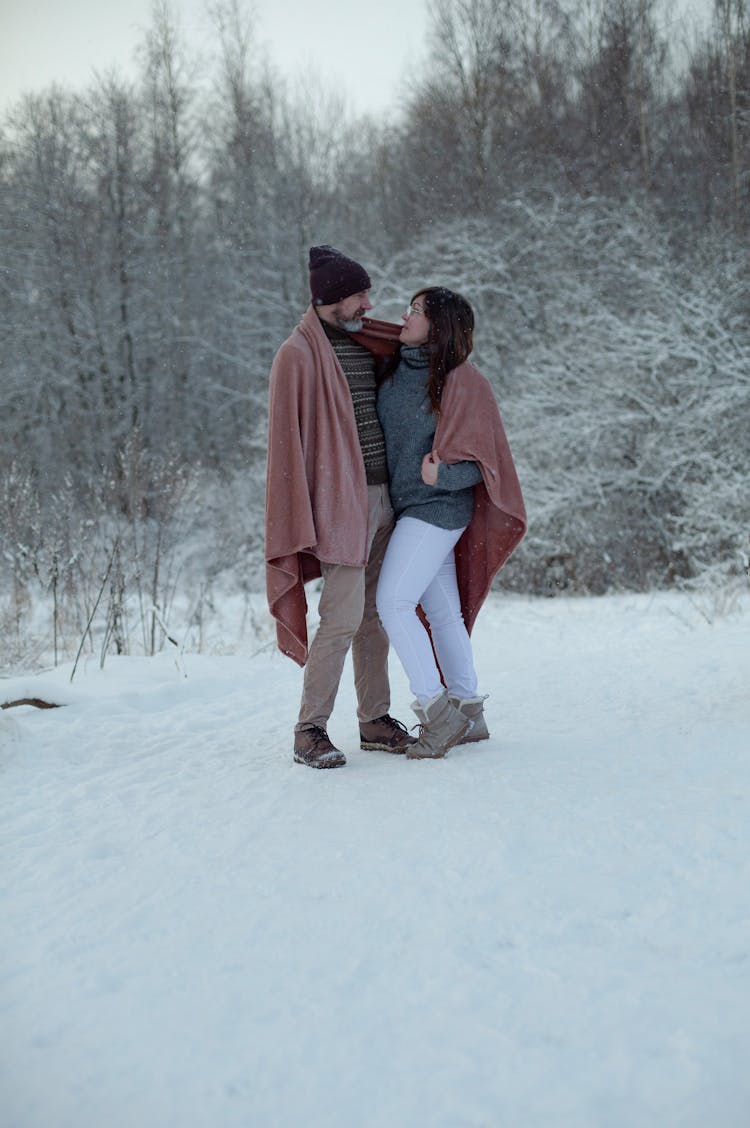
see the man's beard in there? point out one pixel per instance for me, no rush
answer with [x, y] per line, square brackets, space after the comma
[350, 324]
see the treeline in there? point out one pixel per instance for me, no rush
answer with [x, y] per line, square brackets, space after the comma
[583, 175]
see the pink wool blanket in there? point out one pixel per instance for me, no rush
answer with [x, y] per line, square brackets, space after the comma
[316, 491]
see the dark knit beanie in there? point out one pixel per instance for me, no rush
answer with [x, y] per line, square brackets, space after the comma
[334, 277]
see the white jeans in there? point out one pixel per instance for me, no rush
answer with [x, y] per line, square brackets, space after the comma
[419, 567]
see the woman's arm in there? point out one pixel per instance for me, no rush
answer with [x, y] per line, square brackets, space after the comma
[453, 476]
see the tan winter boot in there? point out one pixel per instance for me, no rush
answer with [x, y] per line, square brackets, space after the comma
[442, 726]
[473, 708]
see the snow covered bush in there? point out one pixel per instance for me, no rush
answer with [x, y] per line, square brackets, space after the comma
[623, 375]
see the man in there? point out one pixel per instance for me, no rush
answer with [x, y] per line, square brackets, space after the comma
[328, 512]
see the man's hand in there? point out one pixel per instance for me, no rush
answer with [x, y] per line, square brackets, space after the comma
[430, 464]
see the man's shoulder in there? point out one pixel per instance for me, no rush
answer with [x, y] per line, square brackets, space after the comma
[295, 348]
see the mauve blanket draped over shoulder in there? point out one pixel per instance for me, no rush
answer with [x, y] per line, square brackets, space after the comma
[316, 491]
[470, 427]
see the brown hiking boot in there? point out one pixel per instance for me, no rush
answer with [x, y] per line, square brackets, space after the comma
[385, 734]
[442, 726]
[312, 747]
[473, 708]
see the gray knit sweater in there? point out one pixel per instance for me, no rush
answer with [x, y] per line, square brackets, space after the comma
[409, 429]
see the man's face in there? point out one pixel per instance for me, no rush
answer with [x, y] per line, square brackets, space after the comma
[348, 313]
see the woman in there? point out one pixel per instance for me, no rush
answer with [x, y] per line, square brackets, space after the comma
[459, 513]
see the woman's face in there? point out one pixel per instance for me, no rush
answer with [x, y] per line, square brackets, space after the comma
[416, 323]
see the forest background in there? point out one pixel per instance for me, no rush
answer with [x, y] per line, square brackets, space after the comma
[580, 171]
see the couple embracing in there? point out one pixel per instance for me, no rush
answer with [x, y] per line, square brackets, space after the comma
[389, 476]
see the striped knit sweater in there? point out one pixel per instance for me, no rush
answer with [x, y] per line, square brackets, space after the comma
[358, 364]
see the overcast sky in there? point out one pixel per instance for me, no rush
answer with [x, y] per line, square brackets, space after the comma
[363, 50]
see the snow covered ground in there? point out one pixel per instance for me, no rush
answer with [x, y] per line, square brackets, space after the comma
[550, 929]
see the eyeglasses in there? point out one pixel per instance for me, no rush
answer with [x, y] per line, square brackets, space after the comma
[410, 309]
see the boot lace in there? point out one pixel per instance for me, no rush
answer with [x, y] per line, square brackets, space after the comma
[392, 723]
[318, 736]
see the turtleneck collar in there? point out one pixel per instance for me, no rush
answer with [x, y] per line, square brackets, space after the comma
[333, 332]
[415, 356]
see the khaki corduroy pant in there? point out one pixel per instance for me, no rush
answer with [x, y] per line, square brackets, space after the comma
[349, 618]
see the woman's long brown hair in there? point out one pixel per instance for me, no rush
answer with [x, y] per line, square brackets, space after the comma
[450, 338]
